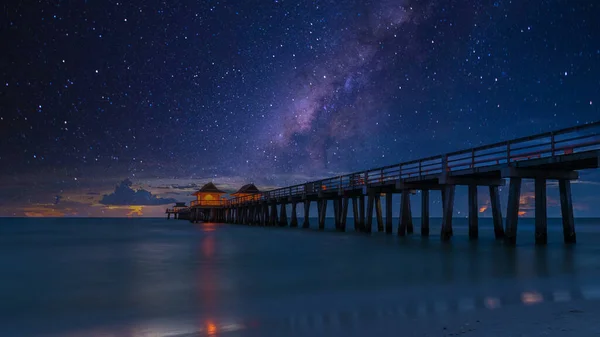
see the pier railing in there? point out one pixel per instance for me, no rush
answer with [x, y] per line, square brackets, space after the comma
[549, 144]
[201, 203]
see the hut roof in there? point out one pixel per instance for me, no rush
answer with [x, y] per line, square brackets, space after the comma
[209, 188]
[248, 188]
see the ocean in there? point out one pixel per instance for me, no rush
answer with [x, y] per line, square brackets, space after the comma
[158, 277]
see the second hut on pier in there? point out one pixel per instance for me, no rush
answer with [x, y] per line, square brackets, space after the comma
[247, 192]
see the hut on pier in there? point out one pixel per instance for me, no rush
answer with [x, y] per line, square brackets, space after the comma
[209, 195]
[247, 192]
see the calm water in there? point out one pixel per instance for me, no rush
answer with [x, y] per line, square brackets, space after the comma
[153, 277]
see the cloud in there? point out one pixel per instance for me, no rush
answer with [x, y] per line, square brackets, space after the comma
[125, 195]
[191, 186]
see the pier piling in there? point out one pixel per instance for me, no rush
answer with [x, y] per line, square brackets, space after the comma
[512, 212]
[424, 212]
[388, 213]
[473, 213]
[566, 207]
[541, 215]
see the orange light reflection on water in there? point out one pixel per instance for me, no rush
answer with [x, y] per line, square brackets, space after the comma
[208, 227]
[211, 328]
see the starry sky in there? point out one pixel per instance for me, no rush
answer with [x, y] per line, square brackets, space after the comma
[112, 108]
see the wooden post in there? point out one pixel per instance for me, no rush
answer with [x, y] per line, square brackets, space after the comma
[473, 213]
[322, 213]
[336, 213]
[370, 204]
[361, 210]
[425, 213]
[512, 212]
[306, 221]
[541, 215]
[388, 213]
[294, 221]
[273, 221]
[355, 214]
[283, 222]
[378, 212]
[265, 206]
[410, 229]
[566, 207]
[405, 214]
[344, 217]
[496, 212]
[448, 212]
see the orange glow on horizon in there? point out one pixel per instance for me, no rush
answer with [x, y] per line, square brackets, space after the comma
[135, 210]
[46, 211]
[130, 211]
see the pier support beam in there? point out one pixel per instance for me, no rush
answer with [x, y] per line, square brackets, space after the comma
[425, 213]
[336, 213]
[566, 208]
[306, 221]
[388, 213]
[283, 222]
[370, 204]
[257, 214]
[294, 221]
[512, 211]
[357, 226]
[345, 201]
[448, 210]
[265, 214]
[378, 212]
[496, 212]
[322, 213]
[405, 214]
[473, 213]
[273, 221]
[541, 215]
[361, 211]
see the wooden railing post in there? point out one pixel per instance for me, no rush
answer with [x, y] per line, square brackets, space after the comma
[444, 163]
[552, 145]
[473, 158]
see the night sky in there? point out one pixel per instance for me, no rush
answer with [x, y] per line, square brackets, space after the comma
[120, 108]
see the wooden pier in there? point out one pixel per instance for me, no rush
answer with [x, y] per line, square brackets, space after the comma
[179, 211]
[557, 155]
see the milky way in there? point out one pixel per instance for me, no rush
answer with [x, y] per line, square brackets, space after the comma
[345, 94]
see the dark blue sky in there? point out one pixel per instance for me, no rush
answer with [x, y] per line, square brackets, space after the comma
[173, 93]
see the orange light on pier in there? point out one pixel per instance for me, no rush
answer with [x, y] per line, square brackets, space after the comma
[483, 208]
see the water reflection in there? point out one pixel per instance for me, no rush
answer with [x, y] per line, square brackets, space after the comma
[222, 278]
[531, 298]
